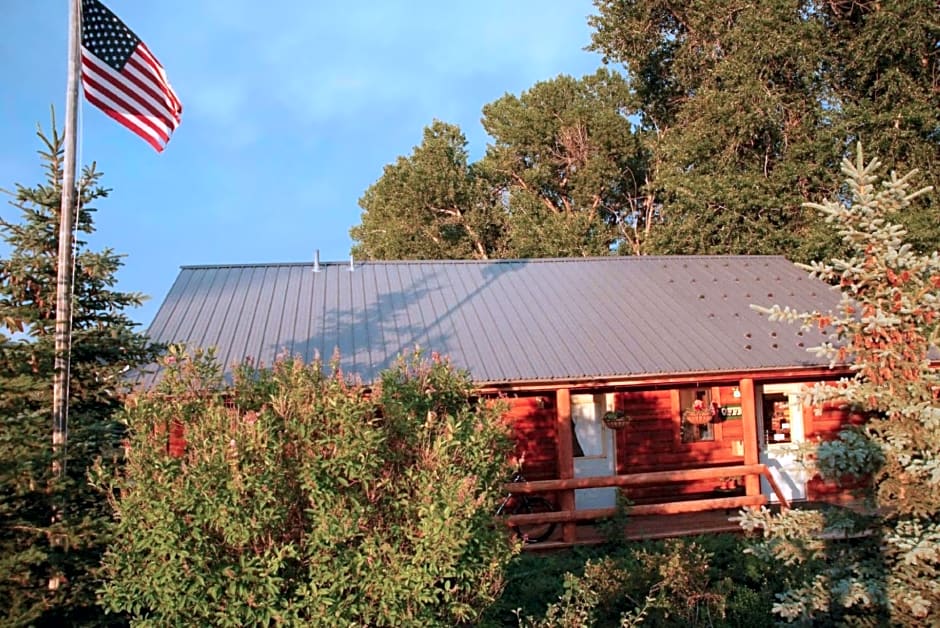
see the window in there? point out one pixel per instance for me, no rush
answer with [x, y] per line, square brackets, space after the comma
[587, 428]
[695, 408]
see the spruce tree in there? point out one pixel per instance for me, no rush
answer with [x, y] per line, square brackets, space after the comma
[53, 529]
[886, 571]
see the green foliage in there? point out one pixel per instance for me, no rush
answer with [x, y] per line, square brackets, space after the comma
[706, 581]
[728, 119]
[886, 325]
[834, 570]
[746, 108]
[534, 580]
[850, 453]
[304, 499]
[566, 159]
[614, 528]
[431, 205]
[562, 178]
[54, 528]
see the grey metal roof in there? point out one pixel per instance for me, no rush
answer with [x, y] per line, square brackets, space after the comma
[504, 320]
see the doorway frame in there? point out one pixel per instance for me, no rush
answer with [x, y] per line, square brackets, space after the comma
[783, 459]
[603, 464]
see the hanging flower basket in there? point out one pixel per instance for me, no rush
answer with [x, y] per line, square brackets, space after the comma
[698, 416]
[616, 420]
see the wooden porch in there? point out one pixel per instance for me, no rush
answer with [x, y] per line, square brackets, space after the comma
[679, 482]
[707, 513]
[645, 527]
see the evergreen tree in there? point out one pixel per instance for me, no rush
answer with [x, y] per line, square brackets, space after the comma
[53, 529]
[886, 326]
[745, 108]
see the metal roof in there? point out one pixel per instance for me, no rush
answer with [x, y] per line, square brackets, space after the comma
[504, 320]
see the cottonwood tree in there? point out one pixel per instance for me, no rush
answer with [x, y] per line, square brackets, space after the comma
[54, 528]
[302, 498]
[563, 177]
[746, 108]
[886, 326]
[430, 205]
[571, 169]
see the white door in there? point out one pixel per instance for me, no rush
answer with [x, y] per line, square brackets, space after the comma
[595, 444]
[781, 432]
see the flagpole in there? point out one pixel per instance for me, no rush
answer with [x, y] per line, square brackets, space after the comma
[63, 332]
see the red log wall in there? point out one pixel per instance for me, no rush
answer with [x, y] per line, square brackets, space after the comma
[652, 442]
[533, 423]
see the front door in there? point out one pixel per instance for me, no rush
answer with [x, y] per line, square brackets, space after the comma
[781, 432]
[593, 449]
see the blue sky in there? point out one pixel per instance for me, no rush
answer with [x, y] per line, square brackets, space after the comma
[291, 110]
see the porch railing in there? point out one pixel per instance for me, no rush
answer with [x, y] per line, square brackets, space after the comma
[647, 479]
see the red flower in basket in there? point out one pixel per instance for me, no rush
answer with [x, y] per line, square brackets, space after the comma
[698, 414]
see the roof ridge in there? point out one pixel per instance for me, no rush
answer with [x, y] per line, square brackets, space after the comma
[516, 260]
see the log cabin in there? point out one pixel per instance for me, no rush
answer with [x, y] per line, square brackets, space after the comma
[650, 378]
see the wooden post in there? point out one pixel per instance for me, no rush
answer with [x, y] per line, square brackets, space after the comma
[809, 419]
[63, 287]
[565, 458]
[749, 425]
[676, 405]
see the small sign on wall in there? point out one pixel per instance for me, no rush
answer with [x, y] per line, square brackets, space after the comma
[731, 412]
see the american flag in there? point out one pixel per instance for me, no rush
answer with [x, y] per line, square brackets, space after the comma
[121, 77]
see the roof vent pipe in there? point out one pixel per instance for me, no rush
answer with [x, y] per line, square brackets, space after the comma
[351, 267]
[316, 261]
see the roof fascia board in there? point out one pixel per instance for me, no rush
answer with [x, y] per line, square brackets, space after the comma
[659, 380]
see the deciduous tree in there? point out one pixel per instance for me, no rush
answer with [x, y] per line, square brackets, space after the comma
[746, 108]
[431, 205]
[571, 170]
[563, 177]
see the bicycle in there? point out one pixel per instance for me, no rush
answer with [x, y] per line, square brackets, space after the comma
[525, 504]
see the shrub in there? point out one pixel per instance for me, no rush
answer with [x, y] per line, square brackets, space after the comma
[706, 581]
[304, 498]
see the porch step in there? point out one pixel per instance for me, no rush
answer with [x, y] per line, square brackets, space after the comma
[646, 528]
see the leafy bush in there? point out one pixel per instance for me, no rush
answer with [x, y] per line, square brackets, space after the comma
[303, 498]
[708, 581]
[533, 581]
